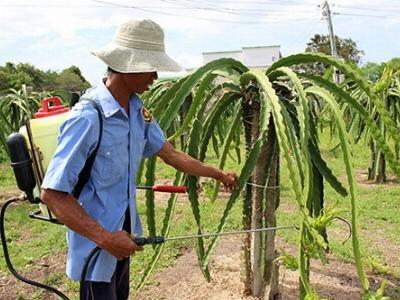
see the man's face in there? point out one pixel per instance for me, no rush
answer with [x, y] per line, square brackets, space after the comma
[139, 82]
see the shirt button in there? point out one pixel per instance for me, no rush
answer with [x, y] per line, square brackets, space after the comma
[108, 153]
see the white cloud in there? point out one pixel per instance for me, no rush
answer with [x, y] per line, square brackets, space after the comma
[189, 60]
[58, 33]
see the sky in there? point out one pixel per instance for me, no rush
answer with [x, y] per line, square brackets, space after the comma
[55, 34]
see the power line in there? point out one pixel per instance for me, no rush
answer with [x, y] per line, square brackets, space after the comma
[242, 12]
[194, 17]
[366, 15]
[255, 13]
[305, 33]
[204, 3]
[265, 2]
[51, 5]
[228, 9]
[183, 5]
[245, 12]
[368, 8]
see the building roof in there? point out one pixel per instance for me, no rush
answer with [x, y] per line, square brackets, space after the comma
[236, 51]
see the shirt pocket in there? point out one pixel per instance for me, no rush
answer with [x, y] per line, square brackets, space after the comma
[110, 163]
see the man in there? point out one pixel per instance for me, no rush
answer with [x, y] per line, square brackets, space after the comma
[105, 213]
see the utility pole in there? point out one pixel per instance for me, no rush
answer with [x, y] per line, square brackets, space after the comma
[326, 12]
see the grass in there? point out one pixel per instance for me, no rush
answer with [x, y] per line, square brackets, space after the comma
[29, 240]
[7, 179]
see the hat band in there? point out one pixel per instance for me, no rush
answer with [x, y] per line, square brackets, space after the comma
[138, 44]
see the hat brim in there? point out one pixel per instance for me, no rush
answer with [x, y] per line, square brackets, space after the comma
[131, 60]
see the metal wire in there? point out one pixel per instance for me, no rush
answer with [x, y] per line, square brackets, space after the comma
[263, 186]
[230, 233]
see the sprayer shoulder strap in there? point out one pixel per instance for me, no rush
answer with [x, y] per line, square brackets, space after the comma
[84, 175]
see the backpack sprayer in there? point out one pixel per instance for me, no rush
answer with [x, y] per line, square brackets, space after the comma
[41, 134]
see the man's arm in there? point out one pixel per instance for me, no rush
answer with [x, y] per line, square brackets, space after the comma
[187, 164]
[71, 214]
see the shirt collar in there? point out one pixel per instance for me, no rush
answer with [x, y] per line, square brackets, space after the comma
[108, 103]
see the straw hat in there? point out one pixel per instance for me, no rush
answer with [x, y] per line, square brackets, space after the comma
[138, 46]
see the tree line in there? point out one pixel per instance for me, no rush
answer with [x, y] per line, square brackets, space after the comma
[348, 52]
[14, 76]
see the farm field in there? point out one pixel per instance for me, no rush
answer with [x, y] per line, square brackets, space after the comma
[38, 248]
[262, 138]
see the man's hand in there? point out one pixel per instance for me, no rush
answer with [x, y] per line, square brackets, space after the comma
[120, 244]
[229, 180]
[187, 164]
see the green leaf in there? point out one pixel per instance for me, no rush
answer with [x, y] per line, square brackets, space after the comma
[196, 103]
[321, 165]
[213, 118]
[375, 131]
[353, 74]
[150, 207]
[193, 193]
[344, 143]
[227, 142]
[191, 81]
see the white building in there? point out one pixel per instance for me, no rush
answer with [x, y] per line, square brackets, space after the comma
[259, 57]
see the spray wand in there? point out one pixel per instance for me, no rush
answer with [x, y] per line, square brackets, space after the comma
[152, 240]
[141, 241]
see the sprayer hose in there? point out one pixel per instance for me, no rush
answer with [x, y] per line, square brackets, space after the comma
[7, 257]
[84, 270]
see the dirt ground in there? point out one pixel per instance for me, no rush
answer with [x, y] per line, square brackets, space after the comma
[184, 280]
[11, 288]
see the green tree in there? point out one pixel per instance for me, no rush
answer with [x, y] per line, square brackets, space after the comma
[37, 76]
[373, 71]
[49, 82]
[71, 79]
[13, 76]
[346, 49]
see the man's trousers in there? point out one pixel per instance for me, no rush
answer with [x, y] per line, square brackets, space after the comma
[118, 288]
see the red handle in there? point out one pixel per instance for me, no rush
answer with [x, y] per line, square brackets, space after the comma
[55, 102]
[169, 189]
